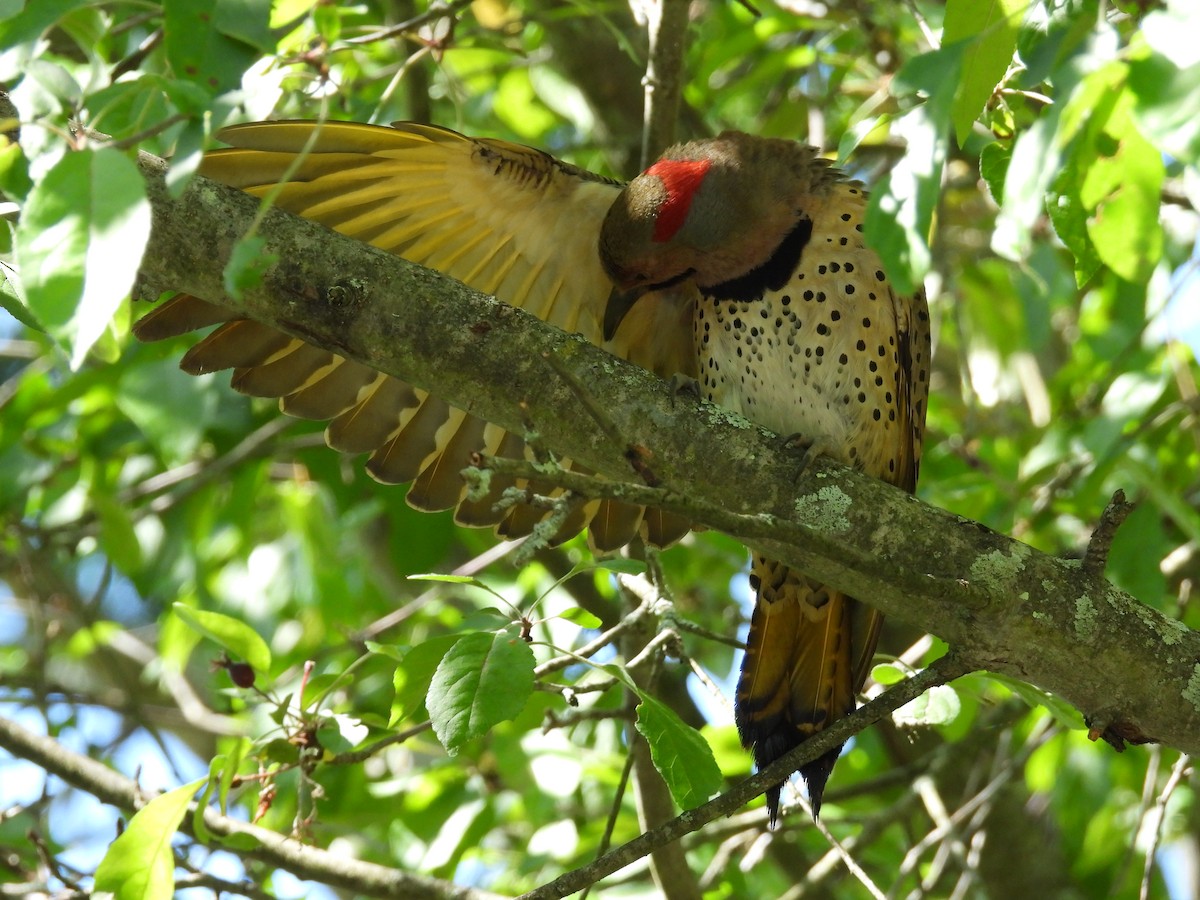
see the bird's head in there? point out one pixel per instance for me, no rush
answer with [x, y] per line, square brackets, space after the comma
[646, 242]
[709, 211]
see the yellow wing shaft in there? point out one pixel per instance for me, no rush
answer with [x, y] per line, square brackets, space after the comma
[504, 219]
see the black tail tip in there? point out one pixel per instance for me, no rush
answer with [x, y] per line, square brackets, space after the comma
[773, 805]
[816, 775]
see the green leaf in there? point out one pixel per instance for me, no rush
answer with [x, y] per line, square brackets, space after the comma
[1122, 190]
[457, 579]
[14, 171]
[679, 752]
[861, 132]
[618, 672]
[12, 299]
[993, 25]
[581, 617]
[900, 213]
[483, 680]
[248, 21]
[1171, 31]
[213, 42]
[621, 565]
[124, 108]
[1167, 105]
[84, 641]
[449, 579]
[414, 674]
[242, 641]
[26, 26]
[240, 842]
[318, 686]
[1136, 553]
[1070, 221]
[993, 166]
[281, 751]
[939, 705]
[1031, 168]
[171, 408]
[79, 244]
[221, 772]
[1064, 713]
[1171, 502]
[888, 674]
[391, 651]
[216, 766]
[140, 864]
[340, 733]
[1092, 102]
[486, 619]
[517, 107]
[117, 534]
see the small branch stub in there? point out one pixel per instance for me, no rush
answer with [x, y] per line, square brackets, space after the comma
[1096, 557]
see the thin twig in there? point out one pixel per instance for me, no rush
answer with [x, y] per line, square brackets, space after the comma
[14, 348]
[941, 671]
[586, 485]
[983, 796]
[134, 60]
[846, 856]
[244, 888]
[52, 863]
[632, 618]
[433, 14]
[705, 679]
[1149, 784]
[888, 815]
[645, 648]
[1160, 814]
[970, 872]
[145, 134]
[570, 692]
[614, 813]
[352, 757]
[573, 717]
[662, 644]
[398, 616]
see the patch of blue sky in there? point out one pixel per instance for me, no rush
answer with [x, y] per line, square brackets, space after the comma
[1179, 319]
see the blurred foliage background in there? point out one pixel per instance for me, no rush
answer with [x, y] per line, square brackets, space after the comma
[1036, 165]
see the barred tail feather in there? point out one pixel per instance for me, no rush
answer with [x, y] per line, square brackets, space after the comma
[804, 664]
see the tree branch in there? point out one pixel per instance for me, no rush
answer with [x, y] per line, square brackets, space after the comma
[1001, 604]
[279, 850]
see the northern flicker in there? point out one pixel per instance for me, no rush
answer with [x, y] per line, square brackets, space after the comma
[738, 261]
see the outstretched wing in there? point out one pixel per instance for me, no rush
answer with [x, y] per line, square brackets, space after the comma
[504, 219]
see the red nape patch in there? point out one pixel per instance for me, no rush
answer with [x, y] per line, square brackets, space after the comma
[681, 178]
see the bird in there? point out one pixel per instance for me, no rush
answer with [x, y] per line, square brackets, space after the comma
[738, 262]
